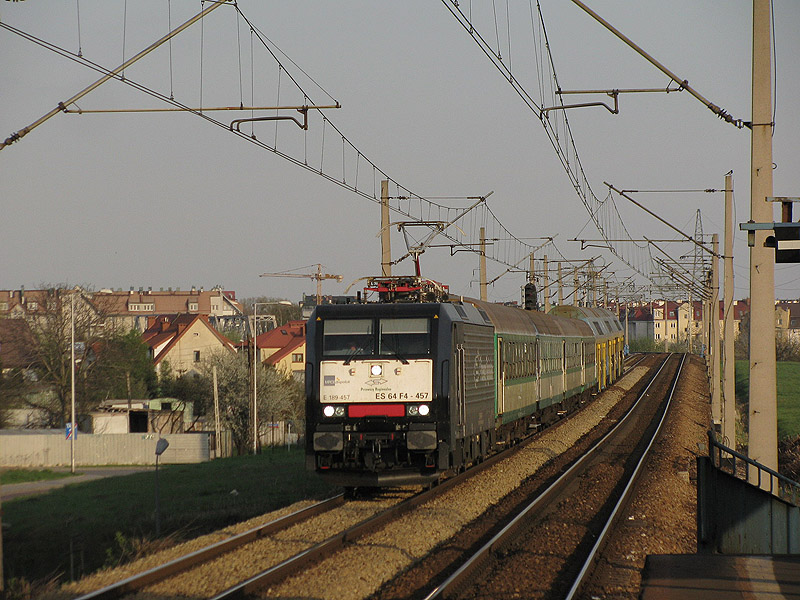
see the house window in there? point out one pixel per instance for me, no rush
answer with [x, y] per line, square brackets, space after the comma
[3, 305]
[193, 306]
[297, 357]
[197, 356]
[33, 305]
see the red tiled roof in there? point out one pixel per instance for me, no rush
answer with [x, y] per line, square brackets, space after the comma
[295, 343]
[282, 336]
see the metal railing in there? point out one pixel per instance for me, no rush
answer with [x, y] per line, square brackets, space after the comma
[742, 467]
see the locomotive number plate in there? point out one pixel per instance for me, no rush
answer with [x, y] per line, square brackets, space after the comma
[376, 380]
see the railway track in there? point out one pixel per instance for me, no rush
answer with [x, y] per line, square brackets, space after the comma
[314, 555]
[358, 523]
[204, 555]
[549, 549]
[387, 549]
[163, 578]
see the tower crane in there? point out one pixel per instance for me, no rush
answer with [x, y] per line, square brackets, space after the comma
[318, 277]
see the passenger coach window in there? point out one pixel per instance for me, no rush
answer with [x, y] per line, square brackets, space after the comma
[404, 337]
[347, 337]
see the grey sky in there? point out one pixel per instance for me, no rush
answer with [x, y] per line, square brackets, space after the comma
[170, 200]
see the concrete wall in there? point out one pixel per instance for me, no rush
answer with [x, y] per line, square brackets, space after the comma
[53, 450]
[735, 517]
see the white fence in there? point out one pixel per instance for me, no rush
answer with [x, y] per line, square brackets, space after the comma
[53, 450]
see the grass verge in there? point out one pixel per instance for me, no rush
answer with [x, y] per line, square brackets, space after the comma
[77, 529]
[788, 393]
[10, 476]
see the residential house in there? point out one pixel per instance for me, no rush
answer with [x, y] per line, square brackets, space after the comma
[118, 310]
[787, 319]
[285, 348]
[183, 340]
[133, 309]
[639, 323]
[33, 305]
[739, 309]
[665, 321]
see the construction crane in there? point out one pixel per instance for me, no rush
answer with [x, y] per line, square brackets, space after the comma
[318, 277]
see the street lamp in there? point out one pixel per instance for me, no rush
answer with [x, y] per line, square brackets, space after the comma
[254, 334]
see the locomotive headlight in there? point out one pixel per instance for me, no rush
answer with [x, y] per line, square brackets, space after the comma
[339, 411]
[421, 410]
[328, 411]
[376, 370]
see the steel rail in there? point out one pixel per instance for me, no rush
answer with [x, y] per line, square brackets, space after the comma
[585, 572]
[331, 545]
[465, 571]
[183, 563]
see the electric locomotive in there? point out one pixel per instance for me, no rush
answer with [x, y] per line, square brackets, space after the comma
[401, 392]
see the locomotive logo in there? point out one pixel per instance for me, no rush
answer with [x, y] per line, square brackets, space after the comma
[329, 380]
[379, 381]
[483, 368]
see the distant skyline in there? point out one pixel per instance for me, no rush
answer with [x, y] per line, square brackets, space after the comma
[167, 200]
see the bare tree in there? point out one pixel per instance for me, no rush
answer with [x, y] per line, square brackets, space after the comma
[279, 397]
[50, 317]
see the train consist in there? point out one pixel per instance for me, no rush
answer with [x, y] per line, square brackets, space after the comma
[402, 392]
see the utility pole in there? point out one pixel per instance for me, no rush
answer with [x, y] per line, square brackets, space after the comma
[484, 294]
[386, 247]
[560, 286]
[762, 408]
[689, 322]
[72, 425]
[728, 375]
[217, 431]
[546, 285]
[575, 294]
[255, 377]
[713, 346]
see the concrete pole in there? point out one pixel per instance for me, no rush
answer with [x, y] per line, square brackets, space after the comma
[217, 430]
[690, 314]
[762, 409]
[575, 280]
[713, 347]
[72, 427]
[560, 286]
[484, 294]
[627, 338]
[386, 245]
[255, 374]
[546, 285]
[728, 373]
[705, 329]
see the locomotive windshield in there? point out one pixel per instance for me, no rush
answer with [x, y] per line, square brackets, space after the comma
[403, 337]
[396, 337]
[348, 337]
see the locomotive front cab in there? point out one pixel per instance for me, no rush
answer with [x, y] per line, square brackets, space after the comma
[371, 407]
